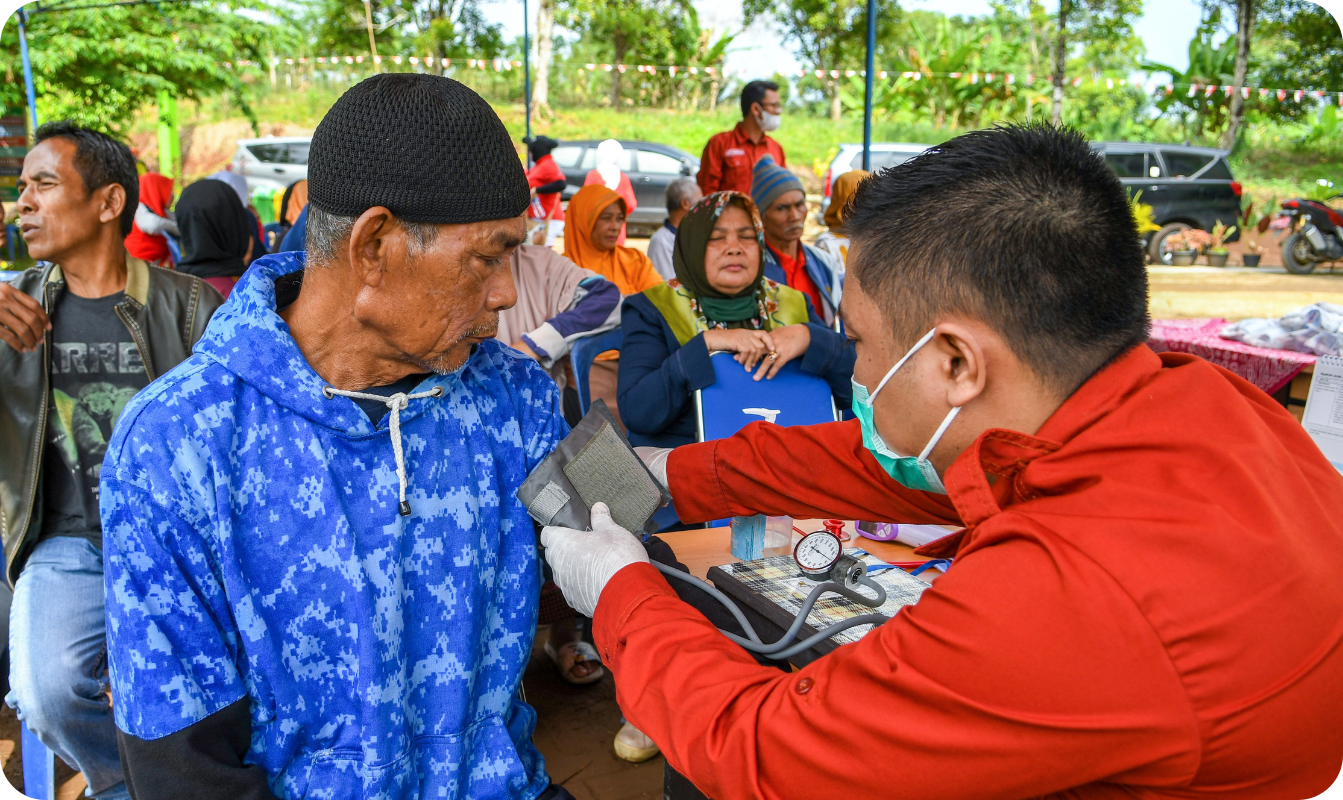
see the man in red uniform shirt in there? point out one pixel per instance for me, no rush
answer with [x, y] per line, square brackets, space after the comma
[1145, 598]
[729, 156]
[547, 182]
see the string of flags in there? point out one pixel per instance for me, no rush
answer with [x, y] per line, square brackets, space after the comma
[1005, 78]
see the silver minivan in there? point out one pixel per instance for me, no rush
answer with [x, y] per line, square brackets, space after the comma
[273, 162]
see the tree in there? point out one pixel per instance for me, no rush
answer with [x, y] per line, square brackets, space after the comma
[1244, 23]
[1104, 27]
[545, 41]
[1297, 44]
[438, 28]
[99, 67]
[1209, 66]
[828, 34]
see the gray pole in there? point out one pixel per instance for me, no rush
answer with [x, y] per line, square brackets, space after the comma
[867, 95]
[527, 73]
[27, 68]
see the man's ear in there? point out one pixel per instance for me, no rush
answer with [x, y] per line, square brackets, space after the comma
[370, 244]
[112, 202]
[961, 362]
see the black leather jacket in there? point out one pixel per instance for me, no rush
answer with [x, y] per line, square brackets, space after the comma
[164, 311]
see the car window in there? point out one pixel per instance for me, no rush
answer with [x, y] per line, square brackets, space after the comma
[658, 163]
[1127, 165]
[567, 155]
[1183, 165]
[1219, 171]
[590, 160]
[1153, 166]
[298, 153]
[881, 159]
[269, 153]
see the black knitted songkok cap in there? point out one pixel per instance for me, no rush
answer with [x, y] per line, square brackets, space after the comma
[428, 148]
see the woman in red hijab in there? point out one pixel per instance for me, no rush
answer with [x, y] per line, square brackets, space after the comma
[152, 220]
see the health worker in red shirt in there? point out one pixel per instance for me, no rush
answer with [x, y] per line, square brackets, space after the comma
[1144, 599]
[547, 181]
[729, 157]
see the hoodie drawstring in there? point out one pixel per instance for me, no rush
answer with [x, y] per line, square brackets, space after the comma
[395, 404]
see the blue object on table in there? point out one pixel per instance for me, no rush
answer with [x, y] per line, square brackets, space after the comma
[39, 768]
[748, 537]
[6, 276]
[792, 397]
[581, 355]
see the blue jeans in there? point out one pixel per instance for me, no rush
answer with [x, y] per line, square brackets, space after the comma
[58, 660]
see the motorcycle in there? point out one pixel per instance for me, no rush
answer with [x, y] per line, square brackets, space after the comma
[1320, 237]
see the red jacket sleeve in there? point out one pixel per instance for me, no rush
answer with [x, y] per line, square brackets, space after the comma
[805, 472]
[710, 167]
[999, 683]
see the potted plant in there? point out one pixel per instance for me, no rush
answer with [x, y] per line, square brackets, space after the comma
[1253, 226]
[1216, 249]
[1185, 245]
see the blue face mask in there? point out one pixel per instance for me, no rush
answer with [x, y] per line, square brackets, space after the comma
[911, 471]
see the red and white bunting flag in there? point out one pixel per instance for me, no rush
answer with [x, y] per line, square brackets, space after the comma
[414, 60]
[1298, 95]
[621, 68]
[988, 77]
[834, 73]
[672, 70]
[349, 60]
[1030, 77]
[1011, 79]
[1245, 92]
[446, 62]
[1109, 83]
[1208, 92]
[1317, 94]
[289, 61]
[1193, 89]
[710, 71]
[974, 77]
[882, 74]
[918, 75]
[606, 67]
[1282, 95]
[1077, 82]
[1263, 93]
[1340, 99]
[1227, 90]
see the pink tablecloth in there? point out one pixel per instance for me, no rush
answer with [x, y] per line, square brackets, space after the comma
[1268, 369]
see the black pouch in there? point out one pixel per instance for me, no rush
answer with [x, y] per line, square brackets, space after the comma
[594, 464]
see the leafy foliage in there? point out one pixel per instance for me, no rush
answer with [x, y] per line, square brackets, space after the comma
[98, 67]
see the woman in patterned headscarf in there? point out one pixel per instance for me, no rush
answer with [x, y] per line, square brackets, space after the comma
[719, 300]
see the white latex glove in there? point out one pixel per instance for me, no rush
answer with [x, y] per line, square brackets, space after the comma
[583, 561]
[655, 458]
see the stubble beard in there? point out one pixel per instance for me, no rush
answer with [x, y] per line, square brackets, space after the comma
[446, 362]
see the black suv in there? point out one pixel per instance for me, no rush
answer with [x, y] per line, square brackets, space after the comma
[649, 165]
[1187, 187]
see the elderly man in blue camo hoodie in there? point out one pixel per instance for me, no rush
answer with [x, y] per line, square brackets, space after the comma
[319, 581]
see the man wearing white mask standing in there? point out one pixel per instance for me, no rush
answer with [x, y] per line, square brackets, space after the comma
[730, 156]
[1109, 626]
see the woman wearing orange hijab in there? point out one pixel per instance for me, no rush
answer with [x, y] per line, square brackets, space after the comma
[594, 220]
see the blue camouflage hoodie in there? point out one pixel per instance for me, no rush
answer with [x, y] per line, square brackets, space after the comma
[254, 548]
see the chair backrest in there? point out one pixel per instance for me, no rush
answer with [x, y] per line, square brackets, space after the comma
[581, 355]
[792, 397]
[174, 248]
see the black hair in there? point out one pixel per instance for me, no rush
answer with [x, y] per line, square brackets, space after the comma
[100, 160]
[1021, 226]
[754, 92]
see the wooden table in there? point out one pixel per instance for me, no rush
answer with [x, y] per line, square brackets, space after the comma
[710, 547]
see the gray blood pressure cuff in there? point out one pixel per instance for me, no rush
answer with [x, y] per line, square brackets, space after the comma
[594, 464]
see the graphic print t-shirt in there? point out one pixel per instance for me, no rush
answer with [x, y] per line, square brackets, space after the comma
[96, 368]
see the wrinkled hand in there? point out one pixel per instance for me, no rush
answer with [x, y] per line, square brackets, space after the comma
[790, 342]
[750, 346]
[655, 458]
[584, 561]
[23, 322]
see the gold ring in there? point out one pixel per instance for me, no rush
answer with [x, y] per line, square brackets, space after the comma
[773, 355]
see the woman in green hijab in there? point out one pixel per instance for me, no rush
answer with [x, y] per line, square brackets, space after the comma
[719, 300]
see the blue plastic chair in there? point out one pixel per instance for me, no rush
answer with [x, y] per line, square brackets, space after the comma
[174, 248]
[583, 353]
[39, 768]
[6, 276]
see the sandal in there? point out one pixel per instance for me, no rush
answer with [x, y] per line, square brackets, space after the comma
[633, 745]
[570, 654]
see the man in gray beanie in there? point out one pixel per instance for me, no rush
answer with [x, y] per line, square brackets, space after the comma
[320, 583]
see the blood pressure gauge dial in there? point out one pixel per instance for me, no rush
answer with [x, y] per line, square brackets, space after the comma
[816, 554]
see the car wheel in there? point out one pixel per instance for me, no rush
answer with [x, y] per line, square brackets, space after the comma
[1157, 249]
[1296, 255]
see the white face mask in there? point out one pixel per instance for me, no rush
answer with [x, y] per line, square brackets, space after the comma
[769, 122]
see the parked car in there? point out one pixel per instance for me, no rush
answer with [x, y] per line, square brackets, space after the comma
[274, 162]
[650, 166]
[1187, 187]
[850, 156]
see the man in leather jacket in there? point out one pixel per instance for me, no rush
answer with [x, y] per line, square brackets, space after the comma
[80, 334]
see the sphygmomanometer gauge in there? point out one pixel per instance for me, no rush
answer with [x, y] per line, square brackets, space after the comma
[816, 553]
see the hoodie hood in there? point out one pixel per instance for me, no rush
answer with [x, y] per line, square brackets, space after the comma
[248, 337]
